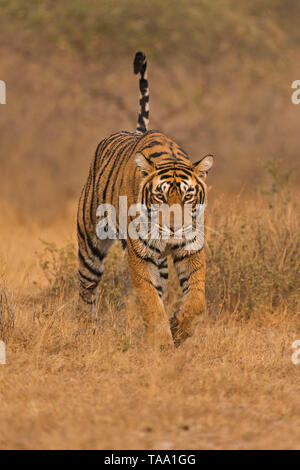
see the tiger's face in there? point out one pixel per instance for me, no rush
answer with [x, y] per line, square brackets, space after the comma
[172, 187]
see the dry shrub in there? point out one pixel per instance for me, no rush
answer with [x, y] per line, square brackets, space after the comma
[253, 255]
[232, 385]
[59, 267]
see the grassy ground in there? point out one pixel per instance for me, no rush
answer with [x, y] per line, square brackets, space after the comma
[72, 384]
[220, 82]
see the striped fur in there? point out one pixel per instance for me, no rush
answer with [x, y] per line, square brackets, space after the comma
[140, 66]
[149, 167]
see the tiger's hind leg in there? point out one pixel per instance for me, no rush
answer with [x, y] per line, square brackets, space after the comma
[90, 271]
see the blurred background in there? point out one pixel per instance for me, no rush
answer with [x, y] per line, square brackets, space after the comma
[220, 82]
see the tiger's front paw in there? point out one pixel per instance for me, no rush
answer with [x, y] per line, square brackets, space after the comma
[179, 329]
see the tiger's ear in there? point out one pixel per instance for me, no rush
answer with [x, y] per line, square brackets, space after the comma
[205, 164]
[144, 164]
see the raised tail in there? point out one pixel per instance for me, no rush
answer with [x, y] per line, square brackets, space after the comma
[140, 66]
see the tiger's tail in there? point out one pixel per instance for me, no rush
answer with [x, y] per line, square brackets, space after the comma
[140, 66]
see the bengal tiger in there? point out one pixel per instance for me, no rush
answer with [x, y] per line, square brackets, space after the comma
[149, 168]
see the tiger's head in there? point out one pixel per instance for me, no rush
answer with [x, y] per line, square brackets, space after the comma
[174, 184]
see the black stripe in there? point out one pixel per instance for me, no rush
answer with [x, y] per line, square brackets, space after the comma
[80, 231]
[184, 177]
[166, 170]
[152, 144]
[164, 275]
[157, 154]
[184, 243]
[144, 100]
[183, 280]
[182, 154]
[87, 266]
[153, 248]
[95, 251]
[177, 259]
[86, 277]
[163, 264]
[185, 170]
[144, 258]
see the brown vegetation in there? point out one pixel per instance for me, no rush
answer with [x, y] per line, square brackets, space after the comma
[224, 89]
[72, 384]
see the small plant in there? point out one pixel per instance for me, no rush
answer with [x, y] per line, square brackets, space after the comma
[280, 178]
[59, 266]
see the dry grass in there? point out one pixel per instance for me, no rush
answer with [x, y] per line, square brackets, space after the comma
[220, 83]
[71, 384]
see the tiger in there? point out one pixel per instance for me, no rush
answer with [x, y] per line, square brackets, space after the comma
[150, 169]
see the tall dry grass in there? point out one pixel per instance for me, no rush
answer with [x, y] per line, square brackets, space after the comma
[69, 383]
[220, 83]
